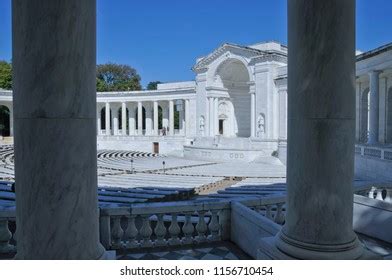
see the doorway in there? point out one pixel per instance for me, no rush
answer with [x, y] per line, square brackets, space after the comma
[155, 147]
[221, 125]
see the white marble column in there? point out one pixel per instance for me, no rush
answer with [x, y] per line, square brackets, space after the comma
[216, 116]
[99, 128]
[321, 135]
[124, 118]
[115, 119]
[54, 59]
[148, 119]
[139, 118]
[182, 118]
[107, 118]
[156, 129]
[186, 119]
[252, 114]
[171, 117]
[131, 119]
[212, 116]
[11, 120]
[283, 113]
[374, 107]
[165, 115]
[208, 117]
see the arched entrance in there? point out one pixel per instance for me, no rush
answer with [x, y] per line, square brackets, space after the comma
[4, 121]
[233, 75]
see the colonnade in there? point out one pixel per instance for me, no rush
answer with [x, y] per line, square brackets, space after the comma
[132, 118]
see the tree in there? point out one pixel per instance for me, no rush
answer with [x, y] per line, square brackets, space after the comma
[117, 77]
[5, 75]
[153, 85]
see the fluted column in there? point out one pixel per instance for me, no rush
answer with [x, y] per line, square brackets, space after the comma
[139, 118]
[252, 114]
[115, 119]
[212, 116]
[124, 118]
[186, 119]
[208, 117]
[321, 132]
[156, 129]
[107, 118]
[54, 58]
[282, 113]
[171, 117]
[374, 107]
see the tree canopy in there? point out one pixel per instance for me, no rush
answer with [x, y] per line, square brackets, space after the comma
[153, 85]
[117, 77]
[5, 75]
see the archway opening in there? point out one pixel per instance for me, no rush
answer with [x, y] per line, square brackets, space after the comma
[103, 118]
[4, 121]
[233, 75]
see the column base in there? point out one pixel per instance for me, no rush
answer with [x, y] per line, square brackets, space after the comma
[301, 250]
[270, 251]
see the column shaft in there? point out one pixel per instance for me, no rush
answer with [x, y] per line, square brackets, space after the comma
[320, 171]
[107, 118]
[148, 120]
[208, 117]
[139, 118]
[252, 114]
[156, 129]
[212, 116]
[186, 119]
[216, 116]
[124, 118]
[99, 128]
[115, 120]
[171, 117]
[374, 107]
[54, 59]
[131, 120]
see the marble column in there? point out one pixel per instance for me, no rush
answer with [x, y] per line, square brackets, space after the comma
[282, 113]
[99, 128]
[139, 118]
[115, 120]
[107, 118]
[148, 119]
[208, 117]
[374, 107]
[216, 116]
[321, 132]
[165, 115]
[212, 116]
[182, 119]
[171, 117]
[131, 119]
[54, 59]
[156, 129]
[186, 119]
[11, 120]
[124, 118]
[252, 114]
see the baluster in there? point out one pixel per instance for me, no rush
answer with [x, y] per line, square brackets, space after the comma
[268, 212]
[371, 192]
[131, 233]
[146, 231]
[213, 226]
[279, 217]
[379, 194]
[117, 232]
[5, 237]
[160, 231]
[174, 231]
[201, 227]
[188, 229]
[388, 196]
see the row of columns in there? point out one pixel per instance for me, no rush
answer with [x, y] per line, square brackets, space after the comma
[374, 108]
[151, 118]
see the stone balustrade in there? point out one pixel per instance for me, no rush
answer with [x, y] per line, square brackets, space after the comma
[374, 152]
[160, 224]
[7, 236]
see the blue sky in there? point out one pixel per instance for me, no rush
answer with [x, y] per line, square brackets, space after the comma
[162, 38]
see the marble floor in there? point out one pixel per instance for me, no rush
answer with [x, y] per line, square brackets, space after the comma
[216, 251]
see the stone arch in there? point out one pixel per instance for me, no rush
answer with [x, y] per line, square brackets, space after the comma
[5, 121]
[143, 118]
[364, 113]
[233, 75]
[389, 116]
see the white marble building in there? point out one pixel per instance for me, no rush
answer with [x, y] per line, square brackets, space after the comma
[236, 109]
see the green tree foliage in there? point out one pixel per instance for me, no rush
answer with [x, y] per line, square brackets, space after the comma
[117, 77]
[5, 75]
[153, 85]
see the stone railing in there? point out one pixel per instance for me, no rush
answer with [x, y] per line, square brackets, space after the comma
[383, 193]
[177, 223]
[374, 152]
[7, 234]
[161, 224]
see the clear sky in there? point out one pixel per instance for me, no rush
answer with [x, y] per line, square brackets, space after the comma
[162, 38]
